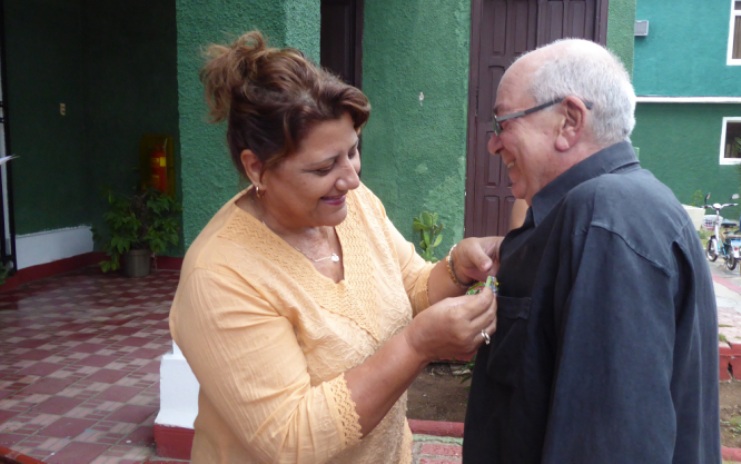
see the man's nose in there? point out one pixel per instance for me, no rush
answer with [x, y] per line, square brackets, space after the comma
[494, 144]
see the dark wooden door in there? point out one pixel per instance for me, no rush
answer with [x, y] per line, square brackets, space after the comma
[341, 38]
[501, 30]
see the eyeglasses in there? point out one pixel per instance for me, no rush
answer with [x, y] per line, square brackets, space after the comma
[518, 114]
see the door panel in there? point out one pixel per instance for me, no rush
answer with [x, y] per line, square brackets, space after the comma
[501, 30]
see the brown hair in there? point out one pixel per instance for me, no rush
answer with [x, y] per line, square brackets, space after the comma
[271, 98]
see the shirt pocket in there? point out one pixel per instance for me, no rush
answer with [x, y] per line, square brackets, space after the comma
[506, 355]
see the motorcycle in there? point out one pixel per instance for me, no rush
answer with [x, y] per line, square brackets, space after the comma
[723, 243]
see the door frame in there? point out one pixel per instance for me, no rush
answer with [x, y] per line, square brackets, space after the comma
[7, 222]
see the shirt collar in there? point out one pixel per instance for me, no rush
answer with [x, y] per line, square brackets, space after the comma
[610, 159]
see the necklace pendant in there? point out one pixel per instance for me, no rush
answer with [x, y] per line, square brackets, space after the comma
[335, 258]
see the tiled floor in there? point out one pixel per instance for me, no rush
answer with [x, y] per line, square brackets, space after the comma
[79, 366]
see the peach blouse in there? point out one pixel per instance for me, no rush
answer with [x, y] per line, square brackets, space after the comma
[269, 337]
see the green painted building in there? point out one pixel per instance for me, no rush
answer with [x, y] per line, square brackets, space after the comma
[688, 80]
[87, 81]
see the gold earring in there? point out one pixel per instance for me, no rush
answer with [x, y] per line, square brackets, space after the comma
[258, 194]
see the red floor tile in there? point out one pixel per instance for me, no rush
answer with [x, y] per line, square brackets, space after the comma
[118, 393]
[142, 436]
[66, 427]
[57, 405]
[106, 376]
[79, 366]
[133, 414]
[77, 453]
[10, 439]
[97, 360]
[48, 385]
[40, 368]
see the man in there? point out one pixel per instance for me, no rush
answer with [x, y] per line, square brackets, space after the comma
[606, 349]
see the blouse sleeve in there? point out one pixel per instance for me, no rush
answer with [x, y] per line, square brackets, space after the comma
[415, 271]
[250, 367]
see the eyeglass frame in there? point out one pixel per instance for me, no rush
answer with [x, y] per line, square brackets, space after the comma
[497, 123]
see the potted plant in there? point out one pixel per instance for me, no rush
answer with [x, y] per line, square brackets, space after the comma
[139, 227]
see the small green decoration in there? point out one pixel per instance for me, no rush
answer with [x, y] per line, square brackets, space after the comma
[430, 232]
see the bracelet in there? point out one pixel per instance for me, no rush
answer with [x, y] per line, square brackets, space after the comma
[451, 271]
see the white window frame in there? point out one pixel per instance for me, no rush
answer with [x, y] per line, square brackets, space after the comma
[731, 61]
[723, 159]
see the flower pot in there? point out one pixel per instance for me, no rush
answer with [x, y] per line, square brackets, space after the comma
[137, 263]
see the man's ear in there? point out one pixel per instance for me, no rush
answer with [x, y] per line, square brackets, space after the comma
[574, 113]
[251, 165]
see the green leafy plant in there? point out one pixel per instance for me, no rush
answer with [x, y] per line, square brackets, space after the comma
[698, 199]
[430, 231]
[146, 220]
[734, 424]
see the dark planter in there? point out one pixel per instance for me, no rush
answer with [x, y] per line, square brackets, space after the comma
[137, 263]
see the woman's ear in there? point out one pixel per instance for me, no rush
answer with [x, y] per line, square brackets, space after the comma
[251, 165]
[574, 122]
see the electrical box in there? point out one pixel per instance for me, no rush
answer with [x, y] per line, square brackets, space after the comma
[641, 28]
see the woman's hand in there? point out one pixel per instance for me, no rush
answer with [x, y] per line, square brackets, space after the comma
[452, 328]
[475, 258]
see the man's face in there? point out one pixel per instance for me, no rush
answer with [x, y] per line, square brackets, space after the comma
[526, 144]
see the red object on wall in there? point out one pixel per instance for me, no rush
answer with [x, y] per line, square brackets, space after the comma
[158, 160]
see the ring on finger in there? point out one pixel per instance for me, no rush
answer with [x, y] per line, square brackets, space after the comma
[487, 338]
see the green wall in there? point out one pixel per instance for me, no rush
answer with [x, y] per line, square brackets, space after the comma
[44, 46]
[680, 144]
[131, 88]
[112, 63]
[414, 150]
[685, 45]
[620, 26]
[208, 177]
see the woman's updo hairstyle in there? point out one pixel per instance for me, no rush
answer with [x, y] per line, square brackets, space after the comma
[271, 98]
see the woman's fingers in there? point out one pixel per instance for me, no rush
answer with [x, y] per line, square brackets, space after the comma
[452, 328]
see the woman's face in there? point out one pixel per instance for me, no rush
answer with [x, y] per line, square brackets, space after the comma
[308, 189]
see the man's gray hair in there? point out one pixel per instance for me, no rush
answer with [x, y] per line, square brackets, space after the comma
[593, 73]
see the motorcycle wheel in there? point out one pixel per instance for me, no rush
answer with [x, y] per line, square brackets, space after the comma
[710, 250]
[731, 263]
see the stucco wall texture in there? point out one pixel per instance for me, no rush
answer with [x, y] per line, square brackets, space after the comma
[685, 55]
[680, 144]
[415, 72]
[208, 176]
[685, 46]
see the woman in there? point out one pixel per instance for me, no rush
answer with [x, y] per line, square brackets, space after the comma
[295, 303]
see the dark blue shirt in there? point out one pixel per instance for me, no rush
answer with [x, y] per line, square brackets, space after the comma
[606, 348]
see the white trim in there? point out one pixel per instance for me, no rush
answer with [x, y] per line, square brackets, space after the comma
[723, 159]
[178, 391]
[52, 245]
[730, 61]
[722, 100]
